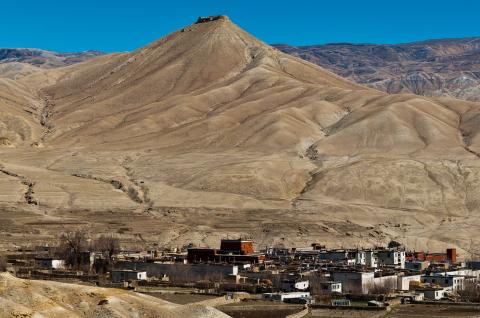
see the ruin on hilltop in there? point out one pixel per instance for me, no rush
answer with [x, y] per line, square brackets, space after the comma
[211, 18]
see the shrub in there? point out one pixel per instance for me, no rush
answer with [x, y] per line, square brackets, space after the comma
[394, 244]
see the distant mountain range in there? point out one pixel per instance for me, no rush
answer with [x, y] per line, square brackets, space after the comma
[17, 63]
[43, 58]
[448, 67]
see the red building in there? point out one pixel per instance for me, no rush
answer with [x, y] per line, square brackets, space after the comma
[449, 256]
[238, 247]
[231, 251]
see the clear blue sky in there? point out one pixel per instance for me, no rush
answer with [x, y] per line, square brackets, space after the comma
[121, 25]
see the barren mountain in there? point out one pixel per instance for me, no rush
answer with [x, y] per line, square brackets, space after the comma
[209, 131]
[449, 67]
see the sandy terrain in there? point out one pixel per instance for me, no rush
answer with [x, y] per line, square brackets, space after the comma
[24, 298]
[208, 132]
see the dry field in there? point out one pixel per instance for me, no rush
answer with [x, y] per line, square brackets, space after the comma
[403, 311]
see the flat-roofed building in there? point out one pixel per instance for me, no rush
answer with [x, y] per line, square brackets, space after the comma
[391, 258]
[417, 265]
[452, 282]
[354, 281]
[331, 287]
[404, 282]
[433, 293]
[236, 246]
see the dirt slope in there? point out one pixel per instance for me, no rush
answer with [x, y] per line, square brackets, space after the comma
[25, 298]
[209, 131]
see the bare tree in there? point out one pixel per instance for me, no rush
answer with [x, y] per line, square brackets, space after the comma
[382, 288]
[72, 245]
[3, 263]
[181, 274]
[471, 292]
[315, 284]
[107, 244]
[318, 290]
[394, 244]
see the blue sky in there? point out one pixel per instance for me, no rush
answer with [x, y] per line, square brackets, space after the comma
[123, 25]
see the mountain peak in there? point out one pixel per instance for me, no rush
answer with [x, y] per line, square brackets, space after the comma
[212, 18]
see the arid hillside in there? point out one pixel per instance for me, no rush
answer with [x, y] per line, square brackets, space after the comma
[448, 67]
[26, 298]
[209, 131]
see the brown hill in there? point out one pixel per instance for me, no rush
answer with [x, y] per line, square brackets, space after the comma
[209, 131]
[448, 67]
[24, 298]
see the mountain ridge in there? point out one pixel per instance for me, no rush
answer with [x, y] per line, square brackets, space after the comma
[443, 67]
[45, 58]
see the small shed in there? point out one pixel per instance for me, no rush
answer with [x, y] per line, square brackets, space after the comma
[433, 293]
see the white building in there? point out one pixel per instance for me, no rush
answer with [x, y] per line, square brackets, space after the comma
[354, 281]
[371, 259]
[49, 263]
[433, 293]
[391, 258]
[403, 282]
[462, 272]
[287, 296]
[331, 287]
[128, 275]
[385, 282]
[360, 257]
[451, 282]
[366, 258]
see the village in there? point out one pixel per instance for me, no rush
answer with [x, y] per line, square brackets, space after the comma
[303, 278]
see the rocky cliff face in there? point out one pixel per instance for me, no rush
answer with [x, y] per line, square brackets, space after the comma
[449, 67]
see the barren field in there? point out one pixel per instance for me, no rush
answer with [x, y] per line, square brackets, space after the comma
[180, 298]
[260, 309]
[403, 311]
